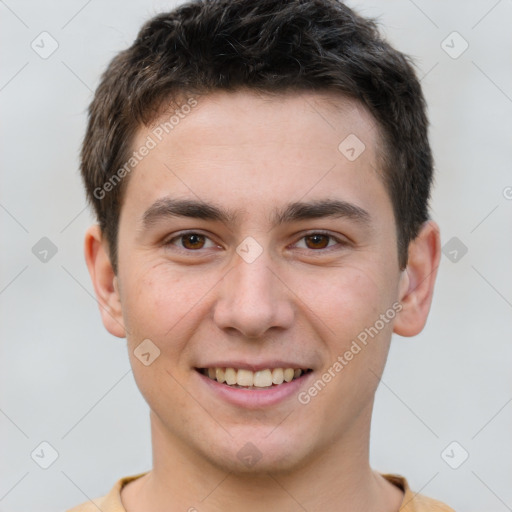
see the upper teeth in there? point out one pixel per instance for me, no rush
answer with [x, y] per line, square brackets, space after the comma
[248, 378]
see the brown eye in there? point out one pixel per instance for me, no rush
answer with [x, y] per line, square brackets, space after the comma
[317, 241]
[193, 241]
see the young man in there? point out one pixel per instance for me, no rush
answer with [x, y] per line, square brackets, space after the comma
[261, 173]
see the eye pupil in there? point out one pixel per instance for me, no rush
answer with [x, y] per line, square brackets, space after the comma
[196, 241]
[318, 238]
[194, 238]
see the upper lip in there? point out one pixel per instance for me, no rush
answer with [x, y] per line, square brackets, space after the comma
[243, 365]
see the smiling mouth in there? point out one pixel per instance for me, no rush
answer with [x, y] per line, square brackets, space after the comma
[247, 379]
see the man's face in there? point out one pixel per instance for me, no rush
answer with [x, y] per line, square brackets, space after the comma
[264, 286]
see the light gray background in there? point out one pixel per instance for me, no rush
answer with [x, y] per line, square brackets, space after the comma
[66, 381]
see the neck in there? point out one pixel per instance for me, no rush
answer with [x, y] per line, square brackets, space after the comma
[336, 479]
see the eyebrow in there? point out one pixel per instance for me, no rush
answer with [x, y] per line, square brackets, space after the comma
[168, 207]
[321, 208]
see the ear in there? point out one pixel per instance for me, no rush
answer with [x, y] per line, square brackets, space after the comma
[417, 281]
[104, 281]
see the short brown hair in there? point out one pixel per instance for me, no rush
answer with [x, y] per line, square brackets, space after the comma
[270, 46]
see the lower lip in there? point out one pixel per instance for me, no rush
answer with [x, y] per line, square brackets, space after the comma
[256, 398]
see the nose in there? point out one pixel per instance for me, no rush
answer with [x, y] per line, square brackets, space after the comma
[253, 299]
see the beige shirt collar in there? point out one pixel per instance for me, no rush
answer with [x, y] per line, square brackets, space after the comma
[412, 502]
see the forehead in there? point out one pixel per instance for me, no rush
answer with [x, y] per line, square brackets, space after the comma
[242, 145]
[299, 112]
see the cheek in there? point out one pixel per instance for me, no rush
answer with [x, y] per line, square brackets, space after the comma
[348, 320]
[356, 339]
[162, 305]
[350, 299]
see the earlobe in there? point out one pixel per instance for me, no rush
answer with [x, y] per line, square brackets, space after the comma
[416, 286]
[104, 281]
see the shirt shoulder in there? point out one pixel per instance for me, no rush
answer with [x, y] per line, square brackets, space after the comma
[412, 502]
[111, 502]
[415, 502]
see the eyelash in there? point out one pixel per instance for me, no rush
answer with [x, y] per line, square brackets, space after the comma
[339, 241]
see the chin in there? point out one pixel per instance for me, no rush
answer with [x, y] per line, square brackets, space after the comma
[258, 451]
